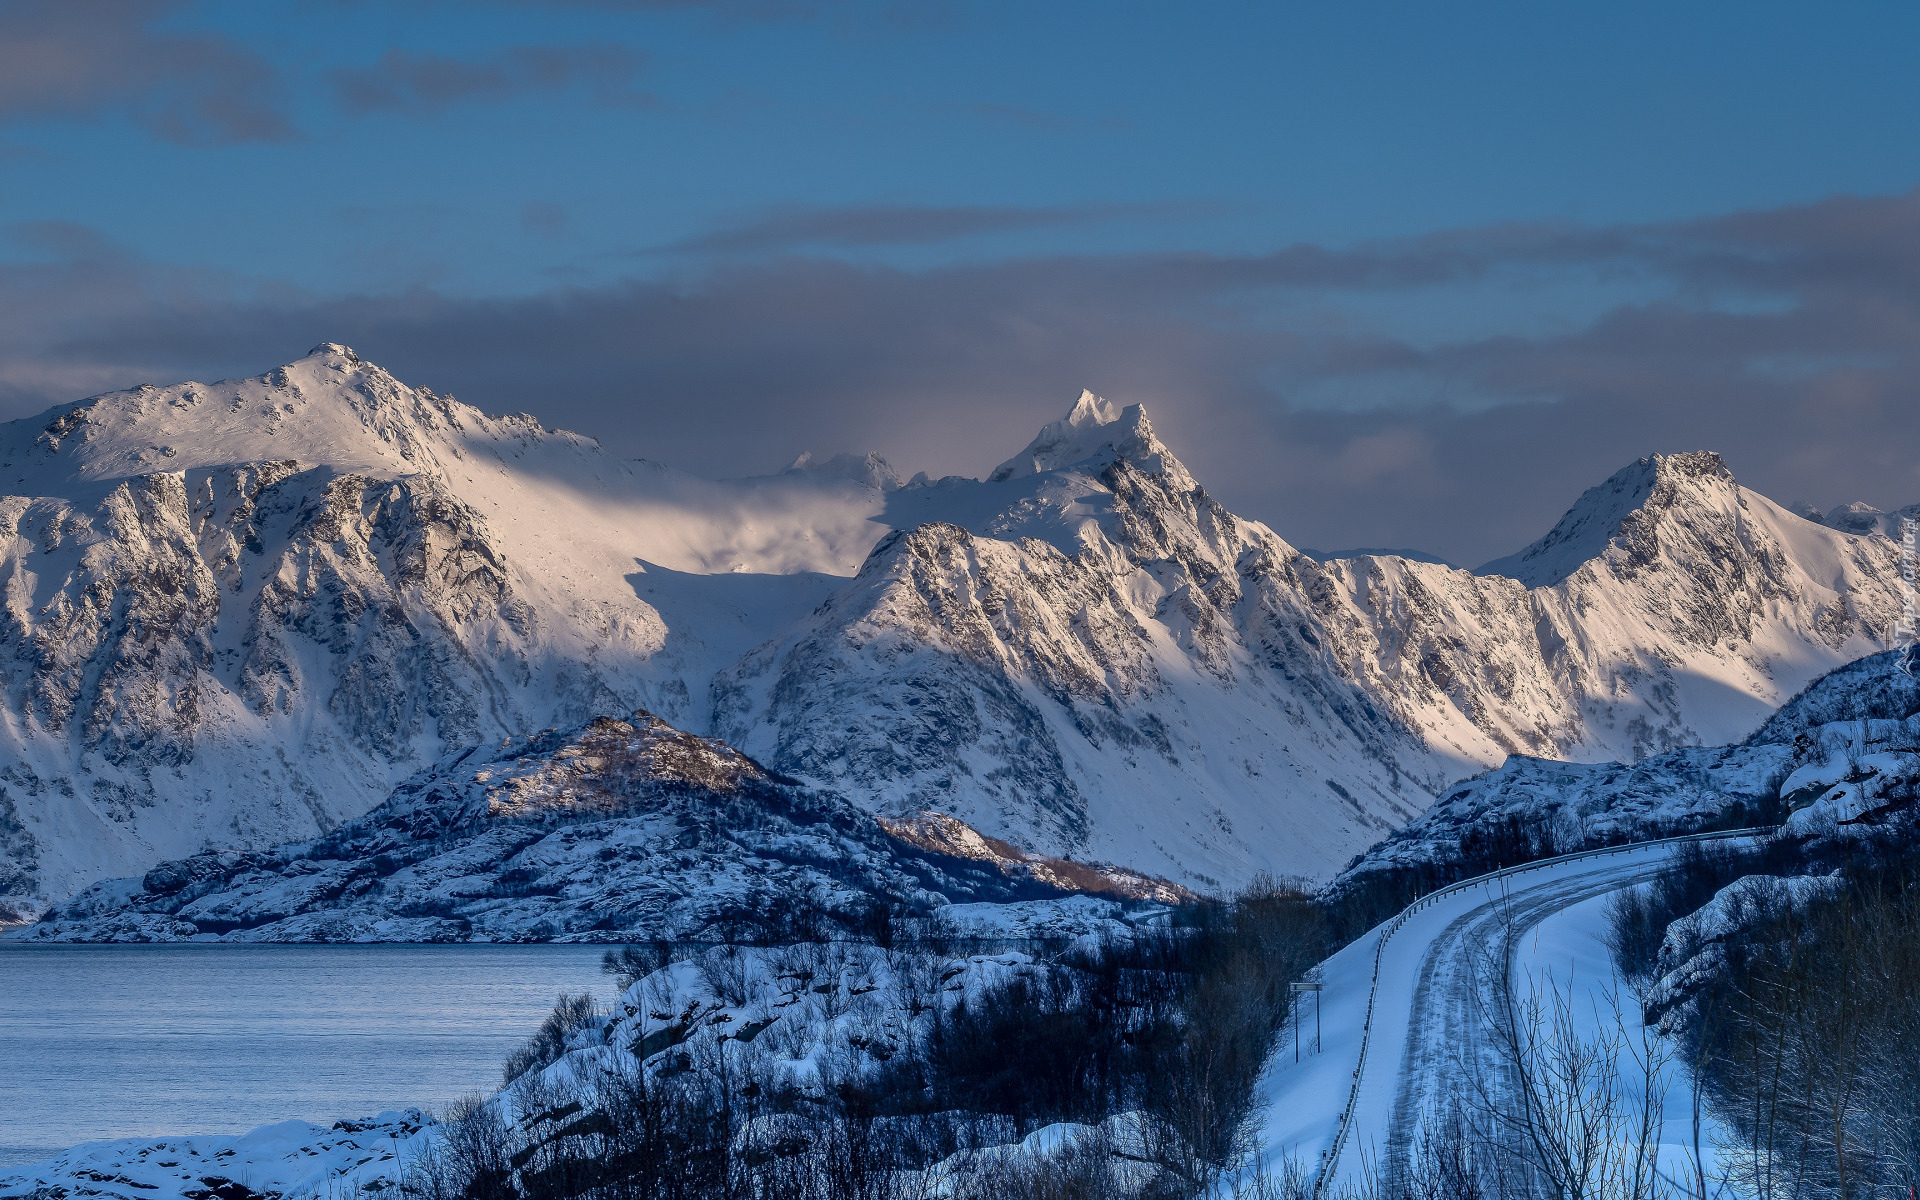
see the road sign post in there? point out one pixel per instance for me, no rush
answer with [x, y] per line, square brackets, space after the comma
[1293, 993]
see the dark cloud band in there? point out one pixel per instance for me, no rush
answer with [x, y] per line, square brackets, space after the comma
[1785, 339]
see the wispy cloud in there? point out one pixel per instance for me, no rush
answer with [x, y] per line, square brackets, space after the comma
[65, 60]
[406, 81]
[918, 225]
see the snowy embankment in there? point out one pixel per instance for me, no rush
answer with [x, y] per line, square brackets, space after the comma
[1400, 1026]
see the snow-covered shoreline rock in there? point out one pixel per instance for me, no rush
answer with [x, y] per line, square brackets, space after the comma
[294, 1160]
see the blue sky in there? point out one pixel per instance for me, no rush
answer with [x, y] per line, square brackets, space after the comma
[1385, 274]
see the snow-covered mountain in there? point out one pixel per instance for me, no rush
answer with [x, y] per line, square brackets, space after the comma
[240, 613]
[1862, 518]
[1112, 665]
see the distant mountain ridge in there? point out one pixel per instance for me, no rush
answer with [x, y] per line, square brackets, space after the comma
[239, 614]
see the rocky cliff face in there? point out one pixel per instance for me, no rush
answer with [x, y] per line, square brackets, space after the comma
[238, 614]
[254, 652]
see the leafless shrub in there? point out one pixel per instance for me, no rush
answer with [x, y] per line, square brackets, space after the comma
[470, 1160]
[629, 964]
[657, 998]
[917, 981]
[795, 967]
[727, 971]
[1557, 1117]
[1086, 1168]
[548, 1042]
[789, 1035]
[1262, 1181]
[1636, 925]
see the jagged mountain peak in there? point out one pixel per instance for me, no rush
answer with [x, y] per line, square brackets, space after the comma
[1090, 409]
[1635, 496]
[329, 408]
[1093, 428]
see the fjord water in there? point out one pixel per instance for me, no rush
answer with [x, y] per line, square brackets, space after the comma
[122, 1041]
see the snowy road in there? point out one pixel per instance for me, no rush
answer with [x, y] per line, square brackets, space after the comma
[1415, 975]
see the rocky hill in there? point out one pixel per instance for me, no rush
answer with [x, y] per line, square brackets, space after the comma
[613, 830]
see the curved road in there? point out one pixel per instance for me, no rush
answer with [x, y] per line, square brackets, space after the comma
[1447, 1036]
[1402, 1021]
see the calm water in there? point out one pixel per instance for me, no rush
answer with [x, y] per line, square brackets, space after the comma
[118, 1041]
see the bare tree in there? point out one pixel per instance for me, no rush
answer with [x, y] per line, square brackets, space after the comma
[1557, 1118]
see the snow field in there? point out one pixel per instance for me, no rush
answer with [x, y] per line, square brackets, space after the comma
[294, 1159]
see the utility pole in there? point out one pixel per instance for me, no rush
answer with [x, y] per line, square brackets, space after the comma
[1293, 993]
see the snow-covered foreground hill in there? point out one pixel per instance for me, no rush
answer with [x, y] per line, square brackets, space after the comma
[812, 1014]
[238, 614]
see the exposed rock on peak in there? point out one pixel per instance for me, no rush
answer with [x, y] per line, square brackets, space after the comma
[946, 835]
